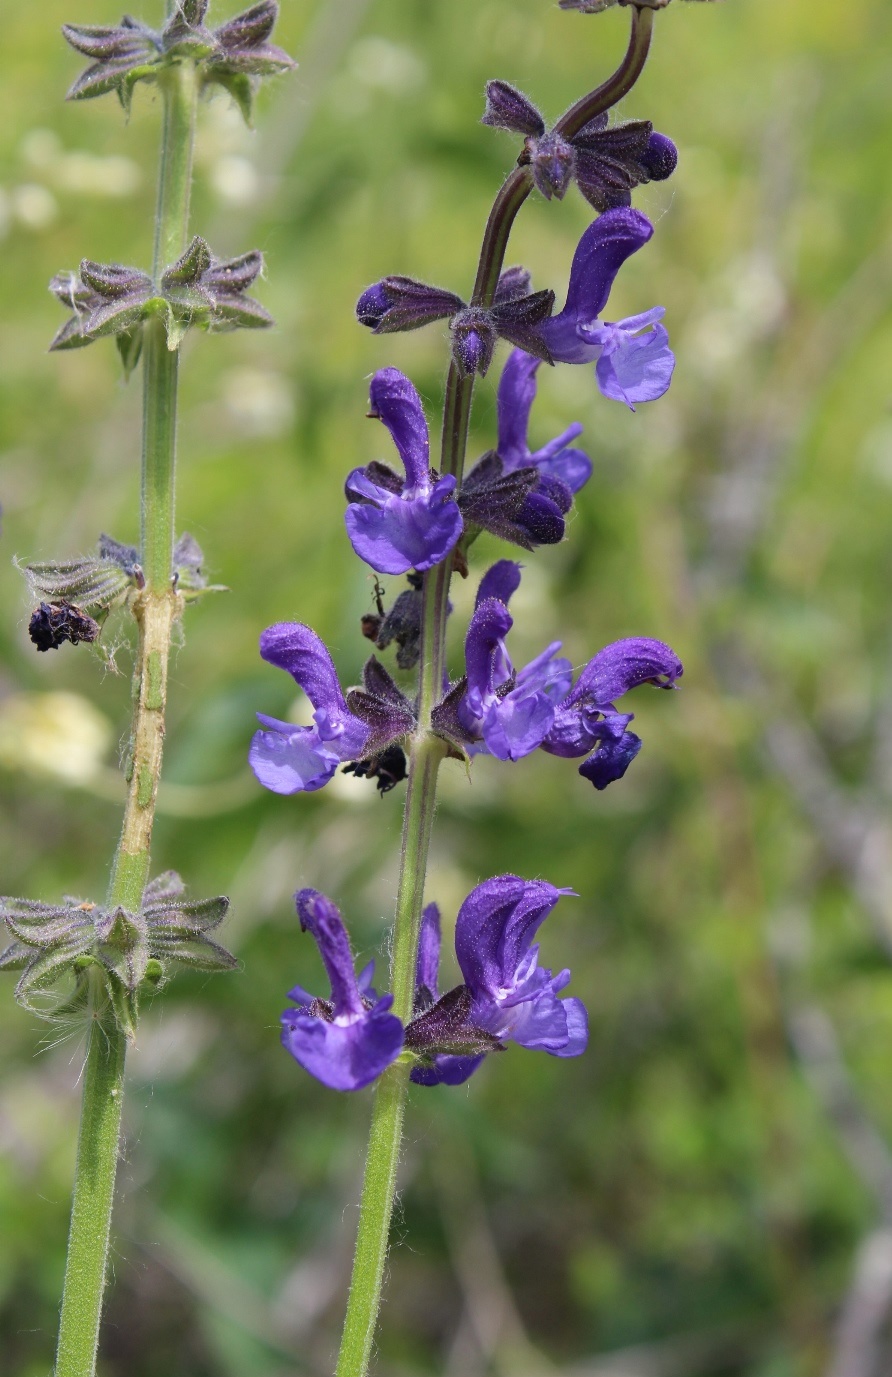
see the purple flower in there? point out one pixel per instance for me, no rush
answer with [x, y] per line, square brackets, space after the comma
[633, 360]
[512, 997]
[506, 995]
[393, 525]
[556, 460]
[511, 712]
[586, 720]
[289, 759]
[349, 1039]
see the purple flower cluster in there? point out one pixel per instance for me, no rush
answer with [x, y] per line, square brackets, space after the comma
[508, 713]
[348, 1039]
[409, 523]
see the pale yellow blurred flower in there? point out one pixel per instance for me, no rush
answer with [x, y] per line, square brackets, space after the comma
[58, 734]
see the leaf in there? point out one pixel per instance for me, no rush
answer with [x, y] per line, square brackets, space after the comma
[188, 917]
[198, 952]
[15, 957]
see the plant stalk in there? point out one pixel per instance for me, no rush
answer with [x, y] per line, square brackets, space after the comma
[97, 1160]
[379, 1183]
[155, 607]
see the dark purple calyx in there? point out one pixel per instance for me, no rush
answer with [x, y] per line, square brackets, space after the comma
[607, 162]
[230, 55]
[517, 506]
[402, 303]
[383, 707]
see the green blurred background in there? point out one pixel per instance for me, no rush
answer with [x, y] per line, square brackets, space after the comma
[708, 1190]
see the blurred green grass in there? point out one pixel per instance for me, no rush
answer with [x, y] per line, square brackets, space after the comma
[682, 1182]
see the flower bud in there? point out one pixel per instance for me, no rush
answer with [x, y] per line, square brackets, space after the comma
[660, 157]
[402, 303]
[508, 108]
[473, 340]
[513, 283]
[553, 162]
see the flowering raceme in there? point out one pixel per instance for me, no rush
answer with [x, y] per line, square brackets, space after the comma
[423, 525]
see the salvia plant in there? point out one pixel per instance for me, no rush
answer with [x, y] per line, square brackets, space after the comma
[83, 957]
[416, 520]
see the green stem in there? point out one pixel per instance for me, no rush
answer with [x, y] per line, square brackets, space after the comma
[155, 609]
[157, 606]
[180, 87]
[376, 1207]
[94, 1184]
[379, 1183]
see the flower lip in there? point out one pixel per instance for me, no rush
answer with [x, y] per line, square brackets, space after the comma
[631, 366]
[601, 252]
[395, 402]
[288, 759]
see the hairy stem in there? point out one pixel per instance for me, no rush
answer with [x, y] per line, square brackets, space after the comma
[379, 1184]
[157, 605]
[180, 88]
[155, 608]
[376, 1207]
[97, 1159]
[620, 84]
